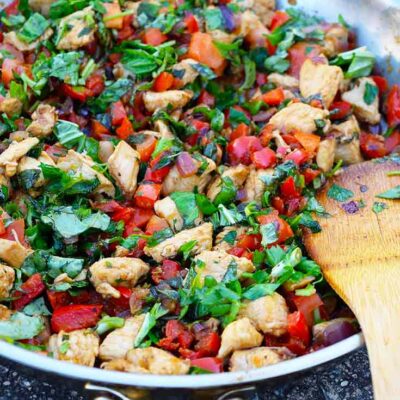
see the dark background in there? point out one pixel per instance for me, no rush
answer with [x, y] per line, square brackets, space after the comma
[348, 379]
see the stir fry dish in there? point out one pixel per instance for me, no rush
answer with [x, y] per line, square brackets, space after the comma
[158, 165]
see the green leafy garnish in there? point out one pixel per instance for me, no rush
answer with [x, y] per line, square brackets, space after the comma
[21, 326]
[108, 323]
[393, 193]
[33, 28]
[339, 193]
[370, 94]
[379, 206]
[360, 62]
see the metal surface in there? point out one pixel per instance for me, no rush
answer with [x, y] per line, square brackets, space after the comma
[377, 25]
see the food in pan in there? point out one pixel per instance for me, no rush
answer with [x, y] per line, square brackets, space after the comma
[159, 163]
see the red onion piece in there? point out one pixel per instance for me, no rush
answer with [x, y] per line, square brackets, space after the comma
[186, 165]
[229, 18]
[331, 332]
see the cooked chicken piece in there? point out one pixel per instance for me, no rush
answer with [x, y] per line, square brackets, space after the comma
[252, 29]
[221, 36]
[216, 263]
[284, 81]
[162, 128]
[28, 163]
[326, 154]
[166, 208]
[347, 141]
[150, 360]
[77, 29]
[11, 106]
[10, 157]
[268, 314]
[175, 182]
[220, 239]
[79, 347]
[237, 174]
[106, 149]
[13, 39]
[43, 121]
[356, 97]
[124, 167]
[117, 343]
[81, 164]
[320, 79]
[117, 271]
[185, 72]
[157, 100]
[264, 10]
[336, 40]
[254, 186]
[13, 252]
[239, 335]
[7, 276]
[41, 6]
[5, 313]
[300, 116]
[169, 248]
[245, 360]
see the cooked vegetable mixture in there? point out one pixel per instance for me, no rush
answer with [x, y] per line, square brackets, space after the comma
[159, 162]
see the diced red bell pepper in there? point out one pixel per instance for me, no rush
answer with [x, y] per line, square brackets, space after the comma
[274, 97]
[7, 70]
[168, 270]
[340, 110]
[30, 290]
[146, 148]
[114, 306]
[123, 214]
[278, 204]
[288, 189]
[76, 316]
[299, 53]
[127, 30]
[298, 156]
[157, 175]
[212, 364]
[298, 328]
[118, 113]
[249, 241]
[141, 216]
[240, 252]
[191, 23]
[381, 82]
[108, 206]
[58, 299]
[208, 344]
[95, 83]
[154, 37]
[278, 19]
[393, 106]
[147, 194]
[392, 143]
[241, 130]
[283, 228]
[240, 149]
[309, 141]
[264, 158]
[306, 305]
[125, 129]
[98, 130]
[163, 82]
[156, 224]
[15, 231]
[177, 336]
[372, 146]
[206, 98]
[310, 175]
[80, 93]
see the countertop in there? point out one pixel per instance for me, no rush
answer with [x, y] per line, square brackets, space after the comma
[347, 380]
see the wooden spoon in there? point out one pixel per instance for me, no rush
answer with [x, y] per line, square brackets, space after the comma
[359, 254]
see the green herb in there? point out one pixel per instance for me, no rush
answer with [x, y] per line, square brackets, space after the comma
[360, 62]
[309, 290]
[226, 216]
[68, 133]
[250, 73]
[269, 234]
[64, 347]
[24, 8]
[37, 307]
[17, 91]
[343, 22]
[186, 204]
[379, 206]
[276, 64]
[61, 8]
[159, 237]
[65, 66]
[370, 94]
[230, 237]
[205, 71]
[13, 21]
[215, 116]
[389, 131]
[393, 193]
[236, 117]
[28, 178]
[205, 205]
[227, 191]
[214, 19]
[339, 193]
[33, 28]
[393, 173]
[260, 290]
[108, 323]
[187, 248]
[21, 326]
[111, 94]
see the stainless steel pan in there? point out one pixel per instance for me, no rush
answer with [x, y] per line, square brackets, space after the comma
[377, 23]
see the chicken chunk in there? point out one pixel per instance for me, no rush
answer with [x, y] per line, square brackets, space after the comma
[43, 121]
[150, 360]
[11, 106]
[336, 40]
[216, 264]
[169, 248]
[185, 71]
[254, 186]
[320, 79]
[245, 360]
[7, 276]
[366, 108]
[175, 182]
[124, 167]
[13, 39]
[163, 129]
[300, 116]
[5, 313]
[10, 157]
[13, 253]
[166, 208]
[326, 154]
[79, 347]
[264, 10]
[347, 141]
[284, 81]
[41, 6]
[81, 164]
[237, 175]
[239, 335]
[220, 240]
[77, 30]
[117, 343]
[157, 100]
[268, 314]
[116, 271]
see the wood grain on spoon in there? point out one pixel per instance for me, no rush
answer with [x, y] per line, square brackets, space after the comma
[359, 255]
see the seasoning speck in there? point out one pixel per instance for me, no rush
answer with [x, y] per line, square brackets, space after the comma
[363, 188]
[351, 207]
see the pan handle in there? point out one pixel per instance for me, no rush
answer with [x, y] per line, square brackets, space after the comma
[106, 393]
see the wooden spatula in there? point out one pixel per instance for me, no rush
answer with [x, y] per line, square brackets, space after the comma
[359, 253]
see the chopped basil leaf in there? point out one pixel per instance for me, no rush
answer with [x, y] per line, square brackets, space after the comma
[370, 94]
[276, 64]
[269, 234]
[339, 193]
[108, 323]
[360, 62]
[28, 178]
[186, 204]
[250, 73]
[227, 192]
[37, 307]
[21, 326]
[393, 193]
[214, 19]
[68, 133]
[33, 28]
[378, 207]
